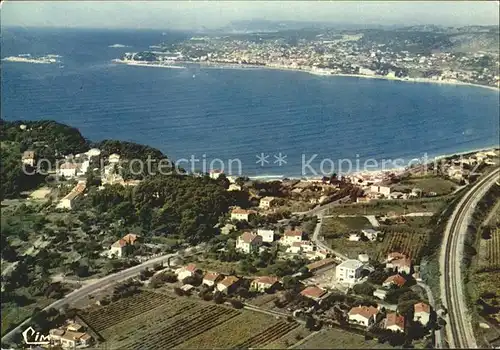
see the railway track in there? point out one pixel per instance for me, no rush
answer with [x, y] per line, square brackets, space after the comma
[458, 329]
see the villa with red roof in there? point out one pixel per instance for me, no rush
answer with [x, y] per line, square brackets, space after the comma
[291, 236]
[396, 280]
[248, 242]
[363, 315]
[394, 322]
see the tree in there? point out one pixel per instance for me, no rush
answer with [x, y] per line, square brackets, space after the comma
[218, 297]
[364, 289]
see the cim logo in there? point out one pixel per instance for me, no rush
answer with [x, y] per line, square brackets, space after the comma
[32, 337]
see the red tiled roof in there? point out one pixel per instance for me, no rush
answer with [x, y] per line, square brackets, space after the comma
[394, 319]
[130, 238]
[365, 311]
[320, 263]
[248, 237]
[229, 281]
[211, 276]
[293, 233]
[396, 279]
[190, 267]
[422, 307]
[313, 292]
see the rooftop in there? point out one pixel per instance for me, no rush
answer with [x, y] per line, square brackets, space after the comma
[422, 307]
[351, 264]
[365, 311]
[393, 319]
[248, 237]
[396, 279]
[229, 281]
[313, 292]
[266, 280]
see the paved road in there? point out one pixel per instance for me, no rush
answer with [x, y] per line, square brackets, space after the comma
[438, 335]
[93, 287]
[458, 328]
[318, 242]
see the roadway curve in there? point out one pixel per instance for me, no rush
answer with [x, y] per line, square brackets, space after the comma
[458, 328]
[104, 282]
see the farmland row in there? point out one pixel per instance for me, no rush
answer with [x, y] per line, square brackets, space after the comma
[149, 318]
[493, 252]
[121, 310]
[403, 242]
[184, 328]
[269, 335]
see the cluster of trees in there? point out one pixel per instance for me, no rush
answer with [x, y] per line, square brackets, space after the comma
[185, 206]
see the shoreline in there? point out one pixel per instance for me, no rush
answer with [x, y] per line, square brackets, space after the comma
[309, 70]
[371, 172]
[329, 73]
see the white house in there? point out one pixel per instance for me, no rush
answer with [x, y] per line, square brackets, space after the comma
[266, 202]
[68, 170]
[422, 313]
[68, 201]
[398, 262]
[29, 158]
[228, 284]
[114, 158]
[300, 247]
[291, 236]
[212, 278]
[385, 190]
[186, 271]
[241, 214]
[248, 242]
[394, 322]
[261, 284]
[371, 234]
[93, 152]
[69, 338]
[354, 237]
[349, 271]
[363, 315]
[234, 187]
[267, 235]
[117, 249]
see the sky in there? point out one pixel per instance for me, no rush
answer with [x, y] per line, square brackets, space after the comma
[213, 14]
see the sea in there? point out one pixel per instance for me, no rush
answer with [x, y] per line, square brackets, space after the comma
[254, 122]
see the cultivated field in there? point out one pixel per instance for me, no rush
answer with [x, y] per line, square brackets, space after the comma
[428, 184]
[407, 243]
[151, 320]
[334, 338]
[492, 250]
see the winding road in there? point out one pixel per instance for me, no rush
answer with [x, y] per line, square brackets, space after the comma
[459, 330]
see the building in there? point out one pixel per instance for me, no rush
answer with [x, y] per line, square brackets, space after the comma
[266, 202]
[68, 170]
[363, 200]
[354, 237]
[117, 249]
[267, 235]
[241, 214]
[385, 190]
[394, 322]
[313, 292]
[214, 174]
[363, 315]
[228, 285]
[248, 242]
[320, 264]
[114, 158]
[234, 187]
[394, 280]
[421, 313]
[349, 271]
[70, 336]
[93, 152]
[212, 278]
[291, 236]
[68, 201]
[186, 271]
[398, 262]
[261, 284]
[300, 247]
[371, 234]
[28, 158]
[364, 258]
[380, 293]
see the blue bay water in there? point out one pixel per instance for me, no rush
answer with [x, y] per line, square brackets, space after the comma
[237, 113]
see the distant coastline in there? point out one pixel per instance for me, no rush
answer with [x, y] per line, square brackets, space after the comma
[329, 73]
[314, 71]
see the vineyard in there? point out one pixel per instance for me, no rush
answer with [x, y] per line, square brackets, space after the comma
[150, 320]
[174, 333]
[102, 318]
[407, 243]
[492, 258]
[269, 335]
